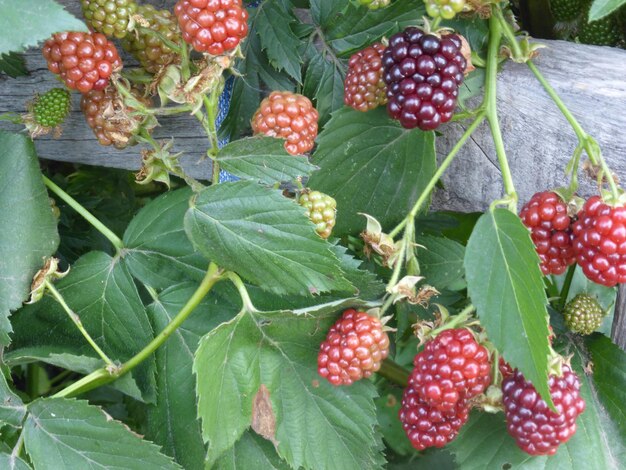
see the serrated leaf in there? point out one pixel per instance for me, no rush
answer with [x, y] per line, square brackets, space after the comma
[609, 377]
[278, 350]
[277, 39]
[27, 23]
[172, 421]
[251, 451]
[61, 433]
[323, 11]
[506, 286]
[440, 260]
[370, 164]
[263, 159]
[601, 8]
[12, 409]
[359, 27]
[12, 462]
[29, 230]
[324, 84]
[100, 290]
[157, 251]
[264, 237]
[13, 65]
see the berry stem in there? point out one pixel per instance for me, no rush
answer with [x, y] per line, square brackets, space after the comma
[233, 277]
[394, 372]
[495, 36]
[456, 320]
[74, 204]
[210, 104]
[104, 376]
[566, 286]
[584, 139]
[507, 30]
[77, 322]
[439, 173]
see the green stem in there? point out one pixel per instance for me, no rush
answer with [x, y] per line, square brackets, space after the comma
[588, 143]
[456, 320]
[507, 30]
[566, 286]
[184, 61]
[74, 204]
[394, 372]
[243, 292]
[495, 36]
[439, 173]
[79, 324]
[103, 376]
[211, 104]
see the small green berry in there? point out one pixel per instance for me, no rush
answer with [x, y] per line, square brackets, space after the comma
[374, 4]
[51, 108]
[446, 9]
[321, 209]
[583, 314]
[110, 17]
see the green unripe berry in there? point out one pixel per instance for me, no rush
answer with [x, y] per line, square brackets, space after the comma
[583, 314]
[321, 209]
[374, 4]
[51, 108]
[110, 17]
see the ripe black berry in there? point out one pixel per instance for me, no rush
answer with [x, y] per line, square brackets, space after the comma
[423, 73]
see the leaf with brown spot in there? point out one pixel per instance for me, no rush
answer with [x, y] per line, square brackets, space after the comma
[263, 418]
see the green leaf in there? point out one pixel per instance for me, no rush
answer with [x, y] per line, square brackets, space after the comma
[323, 11]
[251, 451]
[12, 462]
[100, 290]
[601, 8]
[609, 377]
[275, 354]
[61, 433]
[324, 84]
[26, 24]
[263, 159]
[12, 409]
[29, 233]
[13, 65]
[158, 252]
[485, 443]
[370, 164]
[359, 27]
[172, 421]
[506, 286]
[440, 260]
[277, 39]
[264, 237]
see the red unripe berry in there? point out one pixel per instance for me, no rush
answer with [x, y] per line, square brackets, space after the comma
[364, 87]
[354, 348]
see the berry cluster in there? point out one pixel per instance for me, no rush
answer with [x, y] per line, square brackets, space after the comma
[151, 52]
[85, 61]
[213, 26]
[354, 348]
[536, 429]
[111, 121]
[321, 209]
[374, 4]
[583, 314]
[110, 17]
[446, 9]
[287, 116]
[423, 73]
[364, 88]
[550, 226]
[600, 242]
[51, 108]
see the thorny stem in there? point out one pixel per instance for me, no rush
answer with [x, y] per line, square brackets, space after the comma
[394, 372]
[74, 204]
[495, 36]
[76, 320]
[104, 376]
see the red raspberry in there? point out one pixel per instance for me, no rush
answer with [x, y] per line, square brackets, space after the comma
[452, 367]
[213, 26]
[600, 242]
[354, 348]
[538, 430]
[550, 228]
[287, 116]
[364, 87]
[423, 73]
[85, 61]
[426, 426]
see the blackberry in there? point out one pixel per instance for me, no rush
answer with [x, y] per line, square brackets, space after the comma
[321, 209]
[583, 314]
[110, 17]
[151, 52]
[423, 73]
[364, 88]
[51, 108]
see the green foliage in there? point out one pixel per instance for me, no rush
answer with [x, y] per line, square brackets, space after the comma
[251, 451]
[601, 8]
[29, 233]
[12, 409]
[13, 65]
